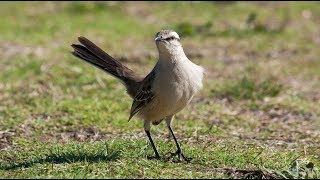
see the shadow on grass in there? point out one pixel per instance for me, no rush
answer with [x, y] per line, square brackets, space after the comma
[58, 156]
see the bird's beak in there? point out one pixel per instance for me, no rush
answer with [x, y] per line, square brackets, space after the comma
[157, 39]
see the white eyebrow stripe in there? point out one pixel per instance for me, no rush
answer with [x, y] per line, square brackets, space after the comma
[175, 34]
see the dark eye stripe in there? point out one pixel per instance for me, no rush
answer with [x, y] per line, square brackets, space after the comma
[169, 38]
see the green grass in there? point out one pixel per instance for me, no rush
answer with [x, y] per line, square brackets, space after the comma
[247, 88]
[257, 116]
[109, 159]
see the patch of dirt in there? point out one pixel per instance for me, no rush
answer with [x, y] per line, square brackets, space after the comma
[6, 138]
[45, 116]
[271, 123]
[287, 125]
[236, 173]
[249, 174]
[304, 87]
[87, 134]
[231, 52]
[140, 56]
[279, 113]
[9, 49]
[44, 8]
[142, 11]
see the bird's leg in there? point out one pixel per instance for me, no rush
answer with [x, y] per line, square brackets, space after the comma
[179, 151]
[147, 130]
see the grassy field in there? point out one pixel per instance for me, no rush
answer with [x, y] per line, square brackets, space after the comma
[258, 115]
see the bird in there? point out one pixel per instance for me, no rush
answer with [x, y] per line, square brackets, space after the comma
[162, 93]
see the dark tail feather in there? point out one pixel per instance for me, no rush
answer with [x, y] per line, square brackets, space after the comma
[92, 54]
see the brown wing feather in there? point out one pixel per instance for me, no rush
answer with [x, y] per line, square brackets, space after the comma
[144, 95]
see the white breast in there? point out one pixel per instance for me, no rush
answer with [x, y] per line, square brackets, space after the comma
[176, 85]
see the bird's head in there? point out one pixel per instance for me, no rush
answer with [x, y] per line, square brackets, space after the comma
[168, 41]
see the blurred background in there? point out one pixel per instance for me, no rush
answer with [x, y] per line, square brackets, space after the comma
[261, 59]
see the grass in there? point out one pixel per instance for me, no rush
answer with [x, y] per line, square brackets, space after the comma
[125, 153]
[248, 88]
[257, 116]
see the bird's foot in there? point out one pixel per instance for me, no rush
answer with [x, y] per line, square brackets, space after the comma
[154, 157]
[180, 154]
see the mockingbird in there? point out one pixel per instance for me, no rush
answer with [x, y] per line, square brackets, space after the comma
[165, 91]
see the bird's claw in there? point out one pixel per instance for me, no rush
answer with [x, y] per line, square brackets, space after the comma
[180, 154]
[153, 157]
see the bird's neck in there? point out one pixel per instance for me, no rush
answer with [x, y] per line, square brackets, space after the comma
[173, 54]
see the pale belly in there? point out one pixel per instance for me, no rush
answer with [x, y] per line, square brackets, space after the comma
[166, 104]
[172, 94]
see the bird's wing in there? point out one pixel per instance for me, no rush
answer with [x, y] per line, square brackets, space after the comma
[144, 95]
